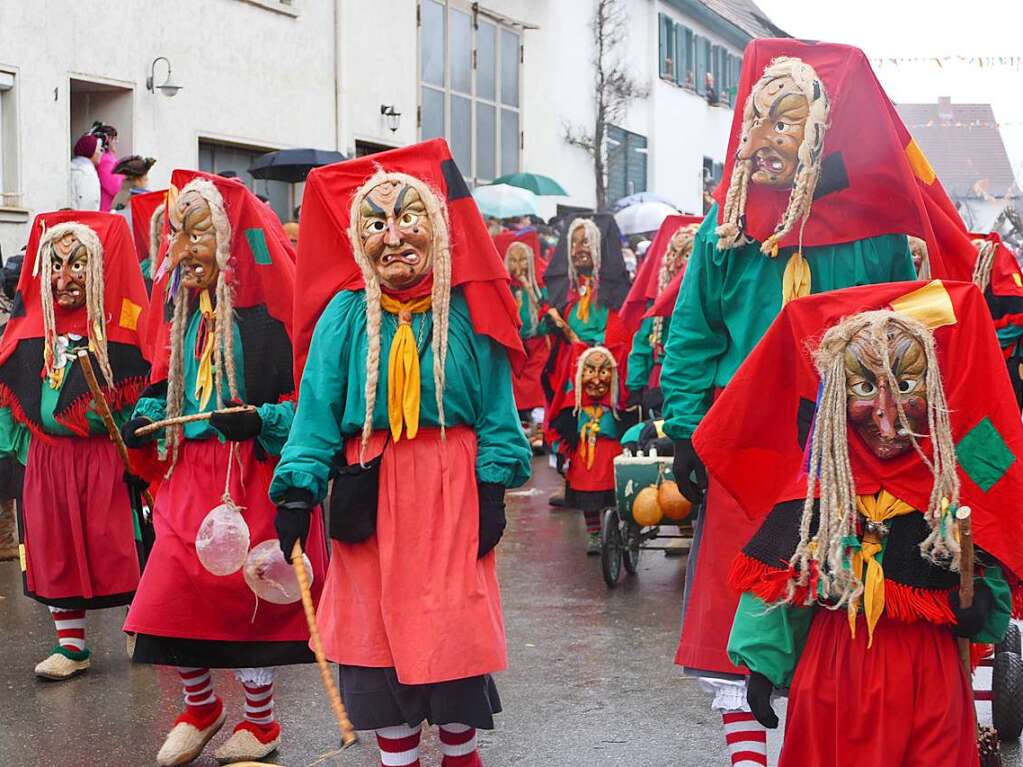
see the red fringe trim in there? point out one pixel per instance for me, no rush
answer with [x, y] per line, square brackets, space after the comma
[1017, 600]
[1008, 319]
[8, 400]
[125, 393]
[901, 602]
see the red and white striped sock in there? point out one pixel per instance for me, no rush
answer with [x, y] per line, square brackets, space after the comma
[198, 686]
[458, 745]
[259, 703]
[592, 521]
[70, 628]
[399, 746]
[746, 739]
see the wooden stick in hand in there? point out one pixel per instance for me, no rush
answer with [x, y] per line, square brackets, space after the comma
[965, 575]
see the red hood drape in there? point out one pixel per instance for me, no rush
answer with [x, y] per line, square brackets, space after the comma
[530, 237]
[751, 438]
[326, 264]
[644, 287]
[1005, 291]
[142, 208]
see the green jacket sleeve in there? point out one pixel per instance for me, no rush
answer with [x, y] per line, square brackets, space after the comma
[697, 340]
[153, 408]
[14, 437]
[315, 435]
[998, 621]
[641, 358]
[768, 640]
[277, 419]
[504, 456]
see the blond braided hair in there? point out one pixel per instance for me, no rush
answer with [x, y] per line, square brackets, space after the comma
[440, 294]
[666, 272]
[94, 285]
[532, 286]
[593, 237]
[581, 363]
[985, 262]
[831, 472]
[809, 154]
[156, 234]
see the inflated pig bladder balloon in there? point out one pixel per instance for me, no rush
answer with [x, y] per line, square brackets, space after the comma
[223, 540]
[271, 576]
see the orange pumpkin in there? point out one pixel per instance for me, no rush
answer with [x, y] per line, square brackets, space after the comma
[674, 505]
[646, 511]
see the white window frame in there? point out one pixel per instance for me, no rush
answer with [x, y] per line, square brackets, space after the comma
[10, 148]
[287, 7]
[463, 6]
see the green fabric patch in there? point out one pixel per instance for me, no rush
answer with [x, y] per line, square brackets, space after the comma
[983, 455]
[257, 244]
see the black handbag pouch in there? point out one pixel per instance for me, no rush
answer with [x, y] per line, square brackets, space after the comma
[353, 499]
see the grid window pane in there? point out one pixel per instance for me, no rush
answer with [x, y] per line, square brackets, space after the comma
[668, 61]
[461, 51]
[431, 43]
[432, 113]
[486, 61]
[509, 141]
[461, 134]
[486, 141]
[509, 68]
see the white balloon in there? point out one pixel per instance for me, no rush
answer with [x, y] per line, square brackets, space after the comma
[271, 576]
[223, 540]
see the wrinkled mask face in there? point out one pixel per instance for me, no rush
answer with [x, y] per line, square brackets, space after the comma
[581, 251]
[518, 256]
[69, 263]
[873, 402]
[193, 241]
[397, 234]
[598, 372]
[679, 250]
[772, 143]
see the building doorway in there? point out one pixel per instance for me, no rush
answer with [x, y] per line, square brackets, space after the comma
[235, 160]
[106, 101]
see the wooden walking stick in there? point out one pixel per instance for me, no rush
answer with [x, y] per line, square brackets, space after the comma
[348, 736]
[149, 428]
[103, 408]
[987, 738]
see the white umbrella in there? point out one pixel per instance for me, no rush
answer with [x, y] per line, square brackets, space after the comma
[643, 217]
[505, 201]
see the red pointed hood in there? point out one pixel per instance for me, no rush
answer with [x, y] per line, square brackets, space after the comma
[644, 288]
[1004, 291]
[530, 237]
[143, 206]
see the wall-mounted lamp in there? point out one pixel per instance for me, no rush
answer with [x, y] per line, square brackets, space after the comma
[168, 88]
[387, 110]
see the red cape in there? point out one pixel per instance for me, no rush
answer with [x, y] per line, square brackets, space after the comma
[326, 264]
[875, 180]
[750, 438]
[644, 287]
[262, 263]
[142, 208]
[528, 236]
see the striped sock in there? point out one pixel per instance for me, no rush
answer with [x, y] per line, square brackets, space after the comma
[70, 628]
[592, 521]
[399, 746]
[198, 686]
[746, 739]
[458, 745]
[259, 703]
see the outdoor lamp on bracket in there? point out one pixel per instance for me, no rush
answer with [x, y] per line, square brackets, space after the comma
[168, 88]
[388, 111]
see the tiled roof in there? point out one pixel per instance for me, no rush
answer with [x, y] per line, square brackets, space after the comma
[747, 16]
[964, 145]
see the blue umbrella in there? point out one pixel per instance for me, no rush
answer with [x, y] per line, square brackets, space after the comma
[504, 201]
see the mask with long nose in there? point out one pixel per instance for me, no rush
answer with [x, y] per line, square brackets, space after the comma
[69, 262]
[193, 241]
[397, 234]
[771, 144]
[873, 397]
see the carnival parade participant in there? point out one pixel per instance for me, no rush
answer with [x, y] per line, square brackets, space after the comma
[665, 258]
[893, 414]
[802, 155]
[997, 274]
[406, 390]
[586, 422]
[81, 289]
[147, 212]
[225, 286]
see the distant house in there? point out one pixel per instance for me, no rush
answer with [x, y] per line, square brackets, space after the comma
[964, 145]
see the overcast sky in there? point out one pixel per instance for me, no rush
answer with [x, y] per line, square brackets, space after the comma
[906, 28]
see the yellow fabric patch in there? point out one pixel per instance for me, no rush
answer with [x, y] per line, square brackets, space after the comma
[795, 282]
[930, 305]
[21, 557]
[130, 312]
[1017, 279]
[919, 163]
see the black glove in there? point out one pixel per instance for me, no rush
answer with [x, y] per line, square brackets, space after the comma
[686, 465]
[292, 519]
[492, 519]
[128, 433]
[758, 696]
[635, 398]
[970, 620]
[135, 484]
[237, 427]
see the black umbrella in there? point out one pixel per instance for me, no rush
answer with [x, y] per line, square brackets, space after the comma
[292, 165]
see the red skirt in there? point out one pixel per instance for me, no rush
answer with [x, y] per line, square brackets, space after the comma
[414, 595]
[599, 476]
[77, 525]
[178, 597]
[526, 385]
[905, 702]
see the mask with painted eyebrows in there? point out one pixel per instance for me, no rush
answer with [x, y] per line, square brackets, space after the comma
[581, 251]
[69, 261]
[872, 399]
[597, 375]
[517, 257]
[780, 111]
[193, 241]
[397, 234]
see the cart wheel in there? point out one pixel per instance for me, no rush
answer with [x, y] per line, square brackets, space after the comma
[1012, 642]
[630, 551]
[611, 548]
[1007, 695]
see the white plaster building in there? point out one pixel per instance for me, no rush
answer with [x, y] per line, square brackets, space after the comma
[499, 78]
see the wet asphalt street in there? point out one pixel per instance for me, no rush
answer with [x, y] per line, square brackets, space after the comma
[591, 680]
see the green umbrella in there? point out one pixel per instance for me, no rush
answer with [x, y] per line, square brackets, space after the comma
[534, 182]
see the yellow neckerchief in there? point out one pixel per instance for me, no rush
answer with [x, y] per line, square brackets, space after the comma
[403, 367]
[795, 282]
[582, 308]
[874, 508]
[588, 434]
[204, 376]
